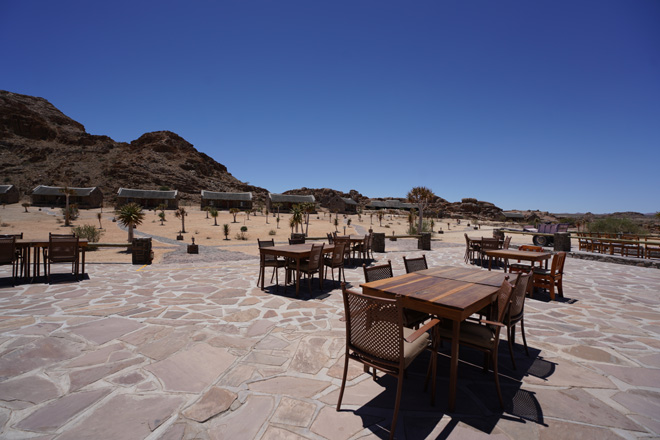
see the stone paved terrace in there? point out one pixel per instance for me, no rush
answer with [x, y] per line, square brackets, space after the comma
[192, 349]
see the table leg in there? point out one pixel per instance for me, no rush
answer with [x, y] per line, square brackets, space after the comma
[297, 276]
[453, 370]
[83, 264]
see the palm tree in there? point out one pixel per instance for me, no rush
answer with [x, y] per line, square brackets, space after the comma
[423, 197]
[181, 213]
[297, 215]
[214, 214]
[234, 211]
[130, 215]
[308, 208]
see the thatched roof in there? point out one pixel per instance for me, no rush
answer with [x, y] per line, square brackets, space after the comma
[43, 190]
[291, 198]
[4, 189]
[147, 194]
[242, 196]
[349, 201]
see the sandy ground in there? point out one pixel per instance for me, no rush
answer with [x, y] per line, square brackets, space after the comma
[38, 222]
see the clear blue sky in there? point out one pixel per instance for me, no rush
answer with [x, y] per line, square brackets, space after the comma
[551, 105]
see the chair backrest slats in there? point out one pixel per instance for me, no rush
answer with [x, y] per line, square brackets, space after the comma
[380, 272]
[315, 256]
[518, 295]
[415, 264]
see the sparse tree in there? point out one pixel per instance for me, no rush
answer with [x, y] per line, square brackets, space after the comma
[422, 197]
[278, 222]
[181, 213]
[380, 218]
[207, 209]
[297, 215]
[336, 224]
[130, 215]
[161, 214]
[214, 214]
[99, 216]
[247, 213]
[26, 206]
[234, 211]
[277, 205]
[225, 230]
[67, 212]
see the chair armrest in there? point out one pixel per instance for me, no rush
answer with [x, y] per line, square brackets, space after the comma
[495, 323]
[426, 327]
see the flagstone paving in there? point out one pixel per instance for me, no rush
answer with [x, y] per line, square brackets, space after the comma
[193, 349]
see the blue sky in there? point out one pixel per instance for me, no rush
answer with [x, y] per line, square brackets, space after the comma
[551, 105]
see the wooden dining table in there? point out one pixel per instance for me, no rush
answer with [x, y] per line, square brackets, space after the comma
[296, 252]
[446, 292]
[515, 254]
[36, 245]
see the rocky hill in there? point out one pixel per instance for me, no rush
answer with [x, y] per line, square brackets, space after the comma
[39, 145]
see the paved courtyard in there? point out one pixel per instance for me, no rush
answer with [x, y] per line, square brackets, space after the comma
[192, 349]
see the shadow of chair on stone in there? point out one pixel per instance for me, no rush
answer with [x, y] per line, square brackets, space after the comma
[477, 404]
[544, 296]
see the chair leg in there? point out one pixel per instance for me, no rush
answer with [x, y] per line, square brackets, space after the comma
[560, 288]
[522, 332]
[511, 333]
[399, 389]
[343, 382]
[497, 377]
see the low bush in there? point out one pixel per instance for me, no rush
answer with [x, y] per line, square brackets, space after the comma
[89, 232]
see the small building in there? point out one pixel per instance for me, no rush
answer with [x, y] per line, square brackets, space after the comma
[54, 196]
[8, 194]
[147, 198]
[511, 216]
[286, 201]
[345, 205]
[226, 200]
[390, 204]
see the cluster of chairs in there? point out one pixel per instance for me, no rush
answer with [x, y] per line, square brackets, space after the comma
[381, 333]
[477, 247]
[62, 248]
[626, 245]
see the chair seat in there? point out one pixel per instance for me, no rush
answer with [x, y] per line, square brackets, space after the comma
[479, 335]
[520, 267]
[540, 271]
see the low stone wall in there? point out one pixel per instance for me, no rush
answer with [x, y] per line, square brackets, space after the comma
[606, 258]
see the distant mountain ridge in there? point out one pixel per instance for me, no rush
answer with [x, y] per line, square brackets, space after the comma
[40, 145]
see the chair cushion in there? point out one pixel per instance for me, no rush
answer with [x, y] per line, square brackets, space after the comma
[412, 349]
[479, 335]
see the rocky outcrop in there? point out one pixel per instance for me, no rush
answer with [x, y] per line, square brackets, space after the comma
[40, 145]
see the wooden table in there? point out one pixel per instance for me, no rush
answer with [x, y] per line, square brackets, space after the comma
[446, 292]
[515, 254]
[295, 252]
[352, 239]
[37, 244]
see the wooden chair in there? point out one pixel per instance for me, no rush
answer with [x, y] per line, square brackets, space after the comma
[488, 244]
[347, 247]
[377, 338]
[8, 256]
[62, 248]
[415, 264]
[651, 250]
[484, 335]
[411, 318]
[335, 261]
[269, 261]
[20, 258]
[520, 267]
[515, 314]
[296, 240]
[551, 279]
[331, 238]
[472, 248]
[310, 266]
[362, 249]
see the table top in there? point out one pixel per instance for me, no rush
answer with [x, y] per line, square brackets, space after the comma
[44, 242]
[444, 297]
[351, 238]
[519, 255]
[465, 274]
[293, 250]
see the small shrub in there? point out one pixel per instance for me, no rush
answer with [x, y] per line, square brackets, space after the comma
[89, 232]
[272, 232]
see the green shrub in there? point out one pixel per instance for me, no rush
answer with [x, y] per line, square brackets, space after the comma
[272, 232]
[89, 232]
[616, 226]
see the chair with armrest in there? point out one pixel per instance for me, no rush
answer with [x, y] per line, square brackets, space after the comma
[310, 266]
[269, 261]
[551, 279]
[515, 314]
[484, 335]
[8, 256]
[377, 338]
[62, 248]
